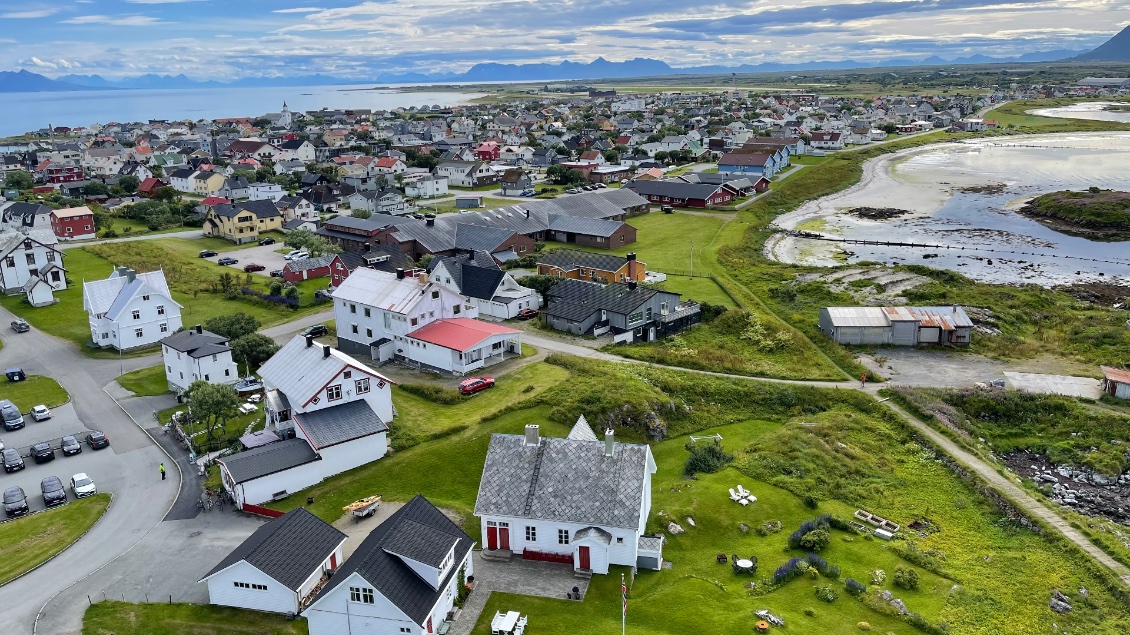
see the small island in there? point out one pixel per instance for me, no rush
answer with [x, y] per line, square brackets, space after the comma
[1095, 213]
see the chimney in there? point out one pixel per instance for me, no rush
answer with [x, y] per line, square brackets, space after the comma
[422, 276]
[430, 222]
[532, 435]
[131, 275]
[399, 274]
[199, 330]
[527, 213]
[309, 341]
[325, 352]
[632, 266]
[631, 285]
[609, 442]
[368, 247]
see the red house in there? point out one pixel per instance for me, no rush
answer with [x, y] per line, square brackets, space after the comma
[55, 173]
[488, 151]
[149, 186]
[307, 269]
[680, 194]
[75, 223]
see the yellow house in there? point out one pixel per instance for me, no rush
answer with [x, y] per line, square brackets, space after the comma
[207, 183]
[242, 222]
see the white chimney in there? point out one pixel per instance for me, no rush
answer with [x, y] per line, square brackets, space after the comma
[532, 435]
[609, 442]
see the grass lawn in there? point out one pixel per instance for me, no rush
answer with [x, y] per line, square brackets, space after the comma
[480, 188]
[121, 618]
[145, 381]
[1015, 114]
[450, 206]
[28, 542]
[35, 390]
[699, 289]
[128, 227]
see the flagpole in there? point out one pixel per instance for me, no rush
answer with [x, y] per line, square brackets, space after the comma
[623, 606]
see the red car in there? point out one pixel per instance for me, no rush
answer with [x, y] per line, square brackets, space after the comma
[253, 267]
[475, 384]
[527, 314]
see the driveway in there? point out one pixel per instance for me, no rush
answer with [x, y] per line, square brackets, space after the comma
[260, 254]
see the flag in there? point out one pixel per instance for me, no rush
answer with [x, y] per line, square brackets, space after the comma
[623, 595]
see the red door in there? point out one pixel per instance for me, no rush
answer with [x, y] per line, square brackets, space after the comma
[492, 537]
[333, 562]
[429, 624]
[584, 553]
[504, 535]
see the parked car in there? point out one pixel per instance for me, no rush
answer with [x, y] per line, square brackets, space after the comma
[53, 492]
[475, 384]
[97, 440]
[208, 253]
[40, 412]
[276, 273]
[13, 420]
[12, 460]
[71, 446]
[601, 186]
[42, 453]
[267, 241]
[227, 260]
[323, 294]
[318, 330]
[527, 314]
[82, 485]
[667, 209]
[293, 255]
[571, 190]
[251, 266]
[15, 502]
[20, 325]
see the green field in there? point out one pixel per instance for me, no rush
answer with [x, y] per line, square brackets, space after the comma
[120, 618]
[145, 381]
[35, 390]
[1014, 114]
[28, 542]
[444, 207]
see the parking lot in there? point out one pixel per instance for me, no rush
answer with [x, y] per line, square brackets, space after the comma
[101, 465]
[261, 255]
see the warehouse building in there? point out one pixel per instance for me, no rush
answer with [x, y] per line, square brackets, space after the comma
[897, 325]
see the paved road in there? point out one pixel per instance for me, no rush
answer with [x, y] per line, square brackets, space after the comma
[128, 468]
[190, 233]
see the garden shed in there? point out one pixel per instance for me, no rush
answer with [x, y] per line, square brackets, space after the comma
[1116, 382]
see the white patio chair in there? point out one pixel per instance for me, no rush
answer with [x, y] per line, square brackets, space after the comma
[519, 629]
[734, 495]
[742, 491]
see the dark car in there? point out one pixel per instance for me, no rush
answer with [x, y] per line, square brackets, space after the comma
[97, 440]
[527, 314]
[71, 446]
[276, 273]
[20, 325]
[323, 294]
[318, 330]
[15, 502]
[267, 241]
[475, 384]
[12, 460]
[53, 492]
[227, 260]
[13, 418]
[208, 253]
[42, 453]
[251, 266]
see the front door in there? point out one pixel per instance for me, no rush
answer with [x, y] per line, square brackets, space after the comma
[333, 562]
[492, 535]
[584, 557]
[504, 535]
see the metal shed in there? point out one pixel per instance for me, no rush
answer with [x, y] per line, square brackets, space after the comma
[856, 325]
[1116, 382]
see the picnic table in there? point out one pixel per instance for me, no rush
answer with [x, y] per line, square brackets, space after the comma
[364, 507]
[503, 622]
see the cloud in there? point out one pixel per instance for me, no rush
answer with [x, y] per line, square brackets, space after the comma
[28, 14]
[298, 10]
[126, 20]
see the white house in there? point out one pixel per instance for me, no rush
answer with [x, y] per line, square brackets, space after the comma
[32, 264]
[129, 309]
[279, 566]
[578, 500]
[389, 165]
[265, 192]
[467, 173]
[413, 320]
[382, 201]
[426, 187]
[492, 291]
[629, 105]
[194, 354]
[827, 140]
[402, 579]
[297, 150]
[336, 410]
[296, 208]
[182, 180]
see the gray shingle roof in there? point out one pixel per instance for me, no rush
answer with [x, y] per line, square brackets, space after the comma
[197, 344]
[338, 424]
[307, 264]
[268, 459]
[674, 189]
[421, 543]
[577, 299]
[575, 482]
[570, 259]
[480, 283]
[582, 225]
[388, 574]
[289, 548]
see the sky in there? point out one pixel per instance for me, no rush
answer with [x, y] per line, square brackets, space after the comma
[230, 39]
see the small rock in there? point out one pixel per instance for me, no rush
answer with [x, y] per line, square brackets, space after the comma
[899, 606]
[690, 521]
[744, 528]
[674, 529]
[887, 595]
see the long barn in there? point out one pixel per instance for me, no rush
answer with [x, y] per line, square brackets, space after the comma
[897, 325]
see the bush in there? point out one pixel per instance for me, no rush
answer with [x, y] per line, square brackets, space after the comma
[435, 394]
[810, 501]
[291, 293]
[864, 626]
[816, 540]
[906, 578]
[275, 288]
[854, 588]
[706, 458]
[810, 612]
[826, 594]
[769, 527]
[878, 576]
[109, 233]
[794, 568]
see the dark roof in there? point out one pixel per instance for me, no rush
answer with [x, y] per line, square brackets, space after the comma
[569, 259]
[288, 549]
[308, 264]
[374, 258]
[390, 575]
[25, 212]
[471, 279]
[584, 226]
[197, 344]
[338, 424]
[674, 189]
[262, 208]
[269, 459]
[419, 542]
[745, 158]
[577, 299]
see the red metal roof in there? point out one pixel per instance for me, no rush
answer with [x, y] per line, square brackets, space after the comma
[1114, 374]
[214, 200]
[459, 334]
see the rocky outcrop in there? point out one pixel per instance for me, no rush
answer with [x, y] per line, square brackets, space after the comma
[1080, 489]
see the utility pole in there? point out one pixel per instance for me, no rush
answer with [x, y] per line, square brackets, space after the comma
[692, 258]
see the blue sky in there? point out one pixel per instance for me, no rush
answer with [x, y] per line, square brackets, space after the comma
[228, 39]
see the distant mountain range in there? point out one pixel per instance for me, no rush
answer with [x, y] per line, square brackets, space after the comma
[1116, 49]
[600, 68]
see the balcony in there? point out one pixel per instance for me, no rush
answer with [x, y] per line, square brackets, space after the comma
[683, 310]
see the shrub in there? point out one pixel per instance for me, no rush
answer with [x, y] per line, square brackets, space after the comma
[906, 578]
[291, 293]
[878, 576]
[854, 588]
[816, 540]
[826, 594]
[706, 458]
[435, 394]
[109, 233]
[810, 612]
[863, 626]
[794, 568]
[769, 527]
[275, 288]
[810, 501]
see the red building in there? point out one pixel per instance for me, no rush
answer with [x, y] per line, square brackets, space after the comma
[74, 223]
[149, 186]
[488, 151]
[307, 269]
[55, 173]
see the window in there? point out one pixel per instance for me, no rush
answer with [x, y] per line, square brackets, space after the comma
[165, 329]
[353, 327]
[227, 372]
[347, 374]
[388, 320]
[160, 307]
[352, 308]
[168, 369]
[531, 533]
[333, 393]
[619, 540]
[249, 585]
[361, 385]
[635, 317]
[138, 332]
[435, 295]
[137, 315]
[50, 256]
[369, 333]
[405, 629]
[145, 297]
[10, 261]
[562, 536]
[70, 230]
[414, 321]
[367, 312]
[648, 314]
[30, 258]
[455, 309]
[87, 227]
[361, 594]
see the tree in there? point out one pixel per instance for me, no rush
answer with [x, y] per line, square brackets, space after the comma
[166, 194]
[299, 238]
[906, 578]
[611, 156]
[320, 247]
[19, 180]
[232, 326]
[264, 174]
[291, 293]
[253, 349]
[96, 188]
[212, 404]
[561, 175]
[541, 284]
[360, 213]
[129, 183]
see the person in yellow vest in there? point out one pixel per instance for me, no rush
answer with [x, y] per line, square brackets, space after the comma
[162, 469]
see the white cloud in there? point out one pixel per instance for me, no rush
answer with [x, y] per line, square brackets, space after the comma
[28, 14]
[298, 10]
[127, 20]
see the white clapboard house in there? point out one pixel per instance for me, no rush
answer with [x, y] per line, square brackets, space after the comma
[130, 310]
[32, 264]
[330, 412]
[478, 277]
[278, 567]
[577, 500]
[194, 354]
[403, 578]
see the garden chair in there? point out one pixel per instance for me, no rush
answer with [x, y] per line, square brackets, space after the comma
[721, 558]
[734, 496]
[743, 492]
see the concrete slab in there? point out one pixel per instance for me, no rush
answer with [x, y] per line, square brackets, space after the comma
[1087, 387]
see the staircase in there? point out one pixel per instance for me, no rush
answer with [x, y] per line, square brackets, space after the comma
[583, 574]
[497, 555]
